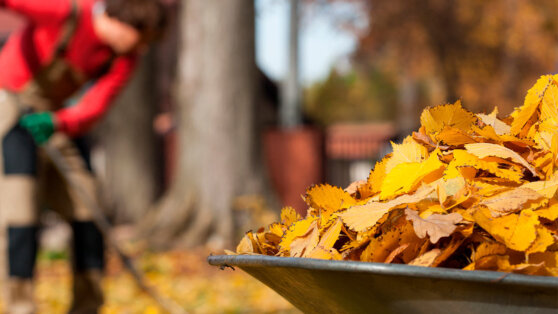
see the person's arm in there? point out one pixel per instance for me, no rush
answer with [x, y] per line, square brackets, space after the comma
[40, 11]
[78, 119]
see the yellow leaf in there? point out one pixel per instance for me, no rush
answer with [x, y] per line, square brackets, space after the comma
[464, 159]
[452, 186]
[305, 243]
[487, 133]
[398, 234]
[545, 188]
[528, 111]
[491, 262]
[489, 248]
[434, 119]
[543, 240]
[354, 186]
[151, 310]
[377, 175]
[289, 216]
[408, 151]
[323, 253]
[433, 209]
[454, 137]
[530, 269]
[499, 126]
[297, 229]
[544, 163]
[516, 231]
[276, 229]
[550, 213]
[442, 195]
[482, 150]
[329, 238]
[407, 176]
[549, 107]
[363, 217]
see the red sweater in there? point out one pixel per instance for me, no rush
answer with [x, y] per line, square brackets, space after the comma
[85, 52]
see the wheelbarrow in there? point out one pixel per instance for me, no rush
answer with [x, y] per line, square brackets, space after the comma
[320, 286]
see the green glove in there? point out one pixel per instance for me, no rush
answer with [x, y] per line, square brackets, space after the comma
[40, 125]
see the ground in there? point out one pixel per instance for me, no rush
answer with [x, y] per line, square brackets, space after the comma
[184, 276]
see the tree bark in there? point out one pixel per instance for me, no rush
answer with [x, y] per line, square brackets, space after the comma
[290, 111]
[215, 95]
[128, 157]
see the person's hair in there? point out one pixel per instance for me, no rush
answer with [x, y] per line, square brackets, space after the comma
[147, 16]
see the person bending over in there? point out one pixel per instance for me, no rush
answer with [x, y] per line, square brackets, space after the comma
[64, 45]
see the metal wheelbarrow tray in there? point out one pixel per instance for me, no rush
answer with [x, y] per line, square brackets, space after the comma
[320, 286]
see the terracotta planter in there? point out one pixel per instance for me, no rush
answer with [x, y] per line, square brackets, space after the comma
[295, 161]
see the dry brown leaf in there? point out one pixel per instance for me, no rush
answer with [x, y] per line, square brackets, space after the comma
[353, 187]
[454, 137]
[509, 201]
[245, 245]
[436, 226]
[426, 259]
[363, 217]
[396, 252]
[305, 243]
[483, 150]
[499, 126]
[396, 234]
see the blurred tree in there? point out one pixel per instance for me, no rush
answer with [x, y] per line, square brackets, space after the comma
[357, 96]
[130, 168]
[216, 92]
[484, 52]
[290, 111]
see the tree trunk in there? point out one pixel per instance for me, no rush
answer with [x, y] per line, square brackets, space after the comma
[407, 112]
[128, 157]
[216, 93]
[290, 112]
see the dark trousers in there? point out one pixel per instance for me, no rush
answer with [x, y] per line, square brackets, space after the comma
[30, 182]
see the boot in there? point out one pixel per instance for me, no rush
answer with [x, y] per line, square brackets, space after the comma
[88, 296]
[20, 296]
[88, 268]
[22, 251]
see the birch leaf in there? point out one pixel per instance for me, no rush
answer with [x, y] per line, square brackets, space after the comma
[509, 201]
[436, 226]
[363, 217]
[516, 231]
[434, 119]
[483, 150]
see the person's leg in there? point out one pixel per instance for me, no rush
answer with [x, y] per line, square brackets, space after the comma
[88, 246]
[18, 209]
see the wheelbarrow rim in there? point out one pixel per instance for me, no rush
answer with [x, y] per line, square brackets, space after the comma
[492, 277]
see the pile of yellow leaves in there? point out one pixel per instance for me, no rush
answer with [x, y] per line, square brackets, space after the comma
[468, 191]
